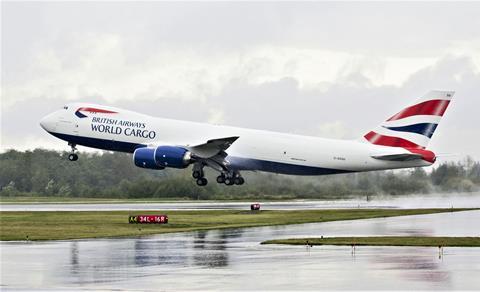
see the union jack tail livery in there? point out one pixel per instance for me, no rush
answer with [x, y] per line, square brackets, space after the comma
[413, 127]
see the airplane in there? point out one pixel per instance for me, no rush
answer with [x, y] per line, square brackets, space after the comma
[157, 143]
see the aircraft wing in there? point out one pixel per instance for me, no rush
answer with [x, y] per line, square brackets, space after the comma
[212, 147]
[398, 157]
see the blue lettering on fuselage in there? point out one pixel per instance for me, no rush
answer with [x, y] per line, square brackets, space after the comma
[115, 130]
[139, 133]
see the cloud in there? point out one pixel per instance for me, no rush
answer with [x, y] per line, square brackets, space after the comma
[191, 52]
[216, 116]
[99, 65]
[334, 130]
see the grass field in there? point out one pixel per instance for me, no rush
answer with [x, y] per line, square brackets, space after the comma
[383, 241]
[76, 225]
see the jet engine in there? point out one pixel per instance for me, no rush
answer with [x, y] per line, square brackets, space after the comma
[161, 157]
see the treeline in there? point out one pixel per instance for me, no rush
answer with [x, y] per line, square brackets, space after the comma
[113, 175]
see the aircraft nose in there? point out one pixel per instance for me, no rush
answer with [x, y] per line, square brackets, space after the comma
[47, 123]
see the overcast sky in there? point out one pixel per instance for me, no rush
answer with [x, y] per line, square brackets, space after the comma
[332, 69]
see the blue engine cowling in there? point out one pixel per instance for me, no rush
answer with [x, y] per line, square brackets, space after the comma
[145, 158]
[161, 157]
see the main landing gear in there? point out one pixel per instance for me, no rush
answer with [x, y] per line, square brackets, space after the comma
[72, 156]
[230, 179]
[198, 174]
[227, 178]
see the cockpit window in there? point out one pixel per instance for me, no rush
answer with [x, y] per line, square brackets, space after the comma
[65, 107]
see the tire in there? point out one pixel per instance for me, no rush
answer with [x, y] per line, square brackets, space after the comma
[239, 180]
[220, 179]
[72, 157]
[202, 181]
[197, 174]
[229, 181]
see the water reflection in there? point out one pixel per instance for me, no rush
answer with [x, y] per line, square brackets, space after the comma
[148, 252]
[419, 264]
[74, 257]
[210, 248]
[113, 259]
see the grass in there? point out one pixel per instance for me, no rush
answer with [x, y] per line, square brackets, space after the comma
[383, 241]
[87, 224]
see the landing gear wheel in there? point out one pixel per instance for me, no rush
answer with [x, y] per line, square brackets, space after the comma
[220, 179]
[197, 174]
[229, 181]
[202, 181]
[239, 180]
[73, 157]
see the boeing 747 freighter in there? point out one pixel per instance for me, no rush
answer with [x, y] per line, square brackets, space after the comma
[156, 143]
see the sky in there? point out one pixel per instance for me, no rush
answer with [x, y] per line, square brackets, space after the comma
[327, 69]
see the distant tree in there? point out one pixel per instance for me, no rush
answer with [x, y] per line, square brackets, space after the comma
[50, 188]
[440, 175]
[9, 190]
[39, 180]
[474, 173]
[113, 175]
[65, 190]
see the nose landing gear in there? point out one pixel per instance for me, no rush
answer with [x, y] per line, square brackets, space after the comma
[72, 156]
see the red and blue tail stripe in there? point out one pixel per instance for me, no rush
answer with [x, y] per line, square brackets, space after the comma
[384, 140]
[425, 129]
[412, 127]
[435, 107]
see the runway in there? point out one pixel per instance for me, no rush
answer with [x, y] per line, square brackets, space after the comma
[461, 200]
[233, 259]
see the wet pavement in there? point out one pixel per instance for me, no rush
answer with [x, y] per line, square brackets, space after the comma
[465, 200]
[233, 259]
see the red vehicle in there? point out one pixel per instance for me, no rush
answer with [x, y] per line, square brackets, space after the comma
[255, 207]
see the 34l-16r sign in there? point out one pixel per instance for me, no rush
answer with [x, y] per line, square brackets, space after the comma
[148, 219]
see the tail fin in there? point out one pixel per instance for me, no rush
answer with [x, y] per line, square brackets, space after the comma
[413, 126]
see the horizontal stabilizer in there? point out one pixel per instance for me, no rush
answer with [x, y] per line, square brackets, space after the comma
[398, 157]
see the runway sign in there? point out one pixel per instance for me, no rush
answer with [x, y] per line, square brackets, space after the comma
[148, 219]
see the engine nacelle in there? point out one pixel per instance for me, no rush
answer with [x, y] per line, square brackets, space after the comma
[145, 158]
[171, 156]
[161, 157]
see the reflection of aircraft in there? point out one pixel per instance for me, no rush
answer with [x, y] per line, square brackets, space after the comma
[157, 143]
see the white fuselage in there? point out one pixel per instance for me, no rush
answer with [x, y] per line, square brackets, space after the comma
[123, 130]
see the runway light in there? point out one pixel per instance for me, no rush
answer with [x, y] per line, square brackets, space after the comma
[148, 219]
